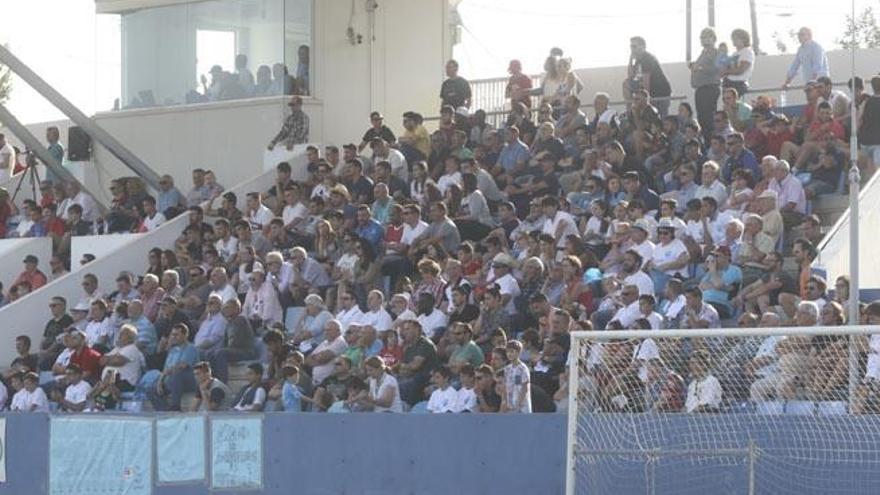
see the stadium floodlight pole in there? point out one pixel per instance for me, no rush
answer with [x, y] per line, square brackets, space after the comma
[688, 32]
[573, 384]
[33, 144]
[854, 182]
[77, 116]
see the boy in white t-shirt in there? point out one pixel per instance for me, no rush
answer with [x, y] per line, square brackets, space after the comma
[704, 392]
[517, 384]
[444, 397]
[31, 397]
[467, 397]
[77, 392]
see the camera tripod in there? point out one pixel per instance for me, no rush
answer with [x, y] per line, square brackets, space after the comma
[30, 172]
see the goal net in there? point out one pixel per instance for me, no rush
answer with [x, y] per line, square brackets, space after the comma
[744, 410]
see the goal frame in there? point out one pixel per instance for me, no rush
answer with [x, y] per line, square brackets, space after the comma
[578, 338]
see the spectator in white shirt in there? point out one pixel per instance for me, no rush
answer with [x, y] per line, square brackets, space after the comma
[89, 207]
[324, 356]
[444, 397]
[377, 317]
[126, 359]
[220, 285]
[294, 211]
[790, 194]
[669, 257]
[384, 393]
[452, 174]
[256, 213]
[261, 305]
[704, 392]
[349, 311]
[31, 397]
[429, 317]
[152, 218]
[99, 329]
[76, 394]
[466, 401]
[646, 310]
[226, 244]
[711, 185]
[559, 224]
[502, 266]
[252, 397]
[631, 273]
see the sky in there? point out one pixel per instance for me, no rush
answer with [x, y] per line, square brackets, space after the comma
[78, 51]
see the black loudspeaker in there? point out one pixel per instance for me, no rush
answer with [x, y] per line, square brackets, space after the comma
[79, 145]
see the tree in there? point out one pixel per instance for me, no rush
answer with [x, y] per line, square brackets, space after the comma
[863, 28]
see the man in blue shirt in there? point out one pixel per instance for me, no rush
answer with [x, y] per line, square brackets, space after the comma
[740, 157]
[368, 228]
[177, 376]
[169, 196]
[515, 153]
[810, 59]
[56, 150]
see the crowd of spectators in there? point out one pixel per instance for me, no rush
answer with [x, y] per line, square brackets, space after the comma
[445, 271]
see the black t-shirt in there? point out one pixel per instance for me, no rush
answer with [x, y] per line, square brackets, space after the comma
[29, 362]
[383, 132]
[273, 191]
[659, 83]
[869, 132]
[551, 183]
[55, 328]
[425, 348]
[362, 188]
[468, 314]
[396, 184]
[789, 284]
[455, 91]
[337, 387]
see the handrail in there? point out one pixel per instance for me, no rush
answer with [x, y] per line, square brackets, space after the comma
[492, 113]
[789, 88]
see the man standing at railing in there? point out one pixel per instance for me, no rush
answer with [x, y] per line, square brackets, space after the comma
[518, 85]
[296, 127]
[706, 79]
[810, 59]
[644, 72]
[455, 91]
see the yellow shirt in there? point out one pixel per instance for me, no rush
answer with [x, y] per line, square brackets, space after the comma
[419, 139]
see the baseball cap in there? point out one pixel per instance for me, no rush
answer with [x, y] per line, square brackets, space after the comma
[31, 259]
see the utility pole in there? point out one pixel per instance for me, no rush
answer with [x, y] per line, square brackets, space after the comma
[711, 13]
[753, 13]
[688, 30]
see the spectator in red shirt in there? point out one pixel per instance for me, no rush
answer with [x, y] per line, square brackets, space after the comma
[6, 209]
[88, 359]
[518, 85]
[55, 226]
[823, 131]
[31, 274]
[47, 195]
[777, 132]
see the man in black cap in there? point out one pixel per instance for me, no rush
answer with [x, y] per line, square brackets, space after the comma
[377, 130]
[296, 127]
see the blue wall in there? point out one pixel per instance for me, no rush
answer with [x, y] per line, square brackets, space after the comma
[318, 454]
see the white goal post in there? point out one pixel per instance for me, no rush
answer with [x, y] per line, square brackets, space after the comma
[738, 410]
